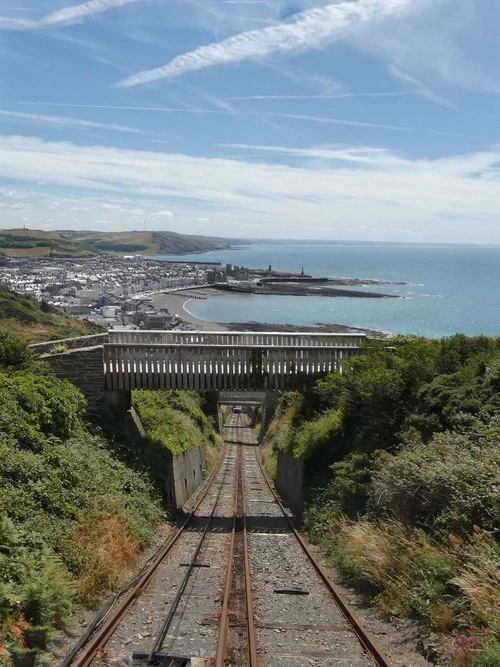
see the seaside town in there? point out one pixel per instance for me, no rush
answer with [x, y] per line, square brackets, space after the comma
[111, 290]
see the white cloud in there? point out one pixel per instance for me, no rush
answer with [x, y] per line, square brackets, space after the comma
[164, 214]
[453, 42]
[310, 29]
[75, 13]
[122, 107]
[366, 155]
[65, 121]
[452, 198]
[338, 96]
[16, 24]
[328, 120]
[66, 15]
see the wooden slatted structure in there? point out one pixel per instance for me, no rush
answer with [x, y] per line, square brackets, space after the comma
[228, 361]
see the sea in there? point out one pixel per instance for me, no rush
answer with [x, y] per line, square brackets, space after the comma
[447, 288]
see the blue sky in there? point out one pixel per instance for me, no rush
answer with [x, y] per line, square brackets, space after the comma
[359, 119]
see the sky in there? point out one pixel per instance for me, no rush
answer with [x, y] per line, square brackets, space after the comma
[368, 120]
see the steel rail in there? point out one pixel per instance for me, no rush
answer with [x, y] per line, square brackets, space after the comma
[82, 655]
[366, 639]
[162, 633]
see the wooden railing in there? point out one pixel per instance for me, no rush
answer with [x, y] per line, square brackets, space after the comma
[220, 360]
[263, 339]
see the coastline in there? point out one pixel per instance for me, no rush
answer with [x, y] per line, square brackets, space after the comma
[176, 304]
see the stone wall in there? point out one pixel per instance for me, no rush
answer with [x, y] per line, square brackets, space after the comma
[71, 343]
[290, 480]
[84, 368]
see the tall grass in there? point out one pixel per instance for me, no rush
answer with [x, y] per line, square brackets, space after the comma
[451, 585]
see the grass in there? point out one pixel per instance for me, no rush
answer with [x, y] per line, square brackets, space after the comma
[106, 553]
[161, 242]
[451, 585]
[270, 461]
[36, 321]
[173, 419]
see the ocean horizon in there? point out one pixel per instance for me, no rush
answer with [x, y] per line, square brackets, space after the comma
[447, 288]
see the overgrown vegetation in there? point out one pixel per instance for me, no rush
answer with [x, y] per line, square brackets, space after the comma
[402, 461]
[174, 418]
[36, 321]
[76, 508]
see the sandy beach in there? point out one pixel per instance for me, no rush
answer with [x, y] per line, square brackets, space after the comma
[175, 303]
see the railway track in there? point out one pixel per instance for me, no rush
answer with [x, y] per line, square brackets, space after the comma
[235, 586]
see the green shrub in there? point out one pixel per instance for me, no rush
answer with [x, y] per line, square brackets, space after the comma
[316, 434]
[72, 516]
[58, 348]
[450, 482]
[14, 353]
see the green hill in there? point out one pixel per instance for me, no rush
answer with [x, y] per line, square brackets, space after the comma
[154, 243]
[38, 321]
[36, 243]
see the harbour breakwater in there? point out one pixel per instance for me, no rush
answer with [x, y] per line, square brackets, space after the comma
[301, 289]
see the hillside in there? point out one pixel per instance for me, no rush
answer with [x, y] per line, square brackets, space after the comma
[402, 461]
[149, 243]
[35, 243]
[35, 321]
[77, 508]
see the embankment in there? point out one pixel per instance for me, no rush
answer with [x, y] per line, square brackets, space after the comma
[401, 462]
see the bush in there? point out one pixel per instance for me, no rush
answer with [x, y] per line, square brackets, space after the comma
[72, 517]
[450, 483]
[58, 348]
[14, 353]
[448, 584]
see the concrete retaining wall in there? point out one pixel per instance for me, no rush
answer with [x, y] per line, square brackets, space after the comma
[188, 470]
[290, 480]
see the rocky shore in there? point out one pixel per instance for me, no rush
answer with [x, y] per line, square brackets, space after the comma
[319, 327]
